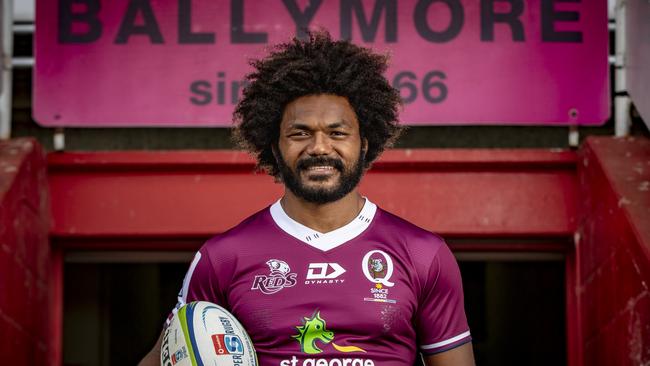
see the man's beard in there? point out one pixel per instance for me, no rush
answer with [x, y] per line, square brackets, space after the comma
[348, 179]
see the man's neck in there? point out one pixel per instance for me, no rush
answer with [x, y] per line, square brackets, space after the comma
[323, 217]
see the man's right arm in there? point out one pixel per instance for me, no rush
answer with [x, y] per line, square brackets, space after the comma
[153, 357]
[198, 284]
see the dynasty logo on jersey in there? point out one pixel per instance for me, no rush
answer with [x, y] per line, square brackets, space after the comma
[279, 278]
[324, 273]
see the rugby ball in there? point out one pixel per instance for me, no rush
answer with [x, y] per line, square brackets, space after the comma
[203, 333]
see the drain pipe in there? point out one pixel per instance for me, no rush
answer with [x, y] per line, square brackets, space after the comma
[6, 33]
[621, 98]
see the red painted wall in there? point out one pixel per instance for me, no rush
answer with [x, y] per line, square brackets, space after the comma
[614, 251]
[24, 256]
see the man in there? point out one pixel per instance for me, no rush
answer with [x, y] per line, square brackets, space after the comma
[323, 276]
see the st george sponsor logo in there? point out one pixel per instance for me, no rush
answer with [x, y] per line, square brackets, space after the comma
[313, 334]
[294, 361]
[280, 277]
[324, 273]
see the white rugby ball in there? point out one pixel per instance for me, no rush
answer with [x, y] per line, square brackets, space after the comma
[203, 333]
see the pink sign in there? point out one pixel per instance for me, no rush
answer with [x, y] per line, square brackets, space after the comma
[181, 63]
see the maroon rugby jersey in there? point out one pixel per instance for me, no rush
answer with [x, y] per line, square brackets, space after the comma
[373, 292]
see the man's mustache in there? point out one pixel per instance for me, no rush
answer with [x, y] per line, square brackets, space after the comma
[307, 163]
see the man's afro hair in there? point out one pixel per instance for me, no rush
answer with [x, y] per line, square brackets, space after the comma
[316, 65]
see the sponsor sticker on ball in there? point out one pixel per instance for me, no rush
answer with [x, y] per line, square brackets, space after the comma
[227, 344]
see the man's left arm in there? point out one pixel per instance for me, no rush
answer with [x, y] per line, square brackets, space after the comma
[441, 325]
[459, 356]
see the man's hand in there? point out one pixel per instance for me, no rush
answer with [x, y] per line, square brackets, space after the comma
[153, 357]
[459, 356]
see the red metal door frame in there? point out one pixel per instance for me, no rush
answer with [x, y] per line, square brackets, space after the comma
[480, 200]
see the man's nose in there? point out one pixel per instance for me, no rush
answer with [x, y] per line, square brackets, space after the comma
[321, 144]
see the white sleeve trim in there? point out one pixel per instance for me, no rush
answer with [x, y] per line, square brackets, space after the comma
[446, 342]
[182, 295]
[188, 277]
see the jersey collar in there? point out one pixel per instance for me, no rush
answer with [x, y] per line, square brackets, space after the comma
[329, 240]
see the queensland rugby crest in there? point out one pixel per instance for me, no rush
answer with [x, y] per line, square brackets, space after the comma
[280, 276]
[378, 268]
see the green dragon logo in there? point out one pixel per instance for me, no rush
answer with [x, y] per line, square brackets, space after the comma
[315, 329]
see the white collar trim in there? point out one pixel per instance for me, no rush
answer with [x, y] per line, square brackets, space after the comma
[329, 240]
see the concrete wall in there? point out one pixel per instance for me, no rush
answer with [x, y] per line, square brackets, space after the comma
[24, 255]
[614, 252]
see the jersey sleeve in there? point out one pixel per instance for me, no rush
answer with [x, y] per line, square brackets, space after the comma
[441, 323]
[200, 283]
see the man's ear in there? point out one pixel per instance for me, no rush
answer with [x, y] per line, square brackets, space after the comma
[276, 155]
[364, 147]
[275, 151]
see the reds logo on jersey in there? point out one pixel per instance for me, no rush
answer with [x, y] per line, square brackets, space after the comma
[279, 278]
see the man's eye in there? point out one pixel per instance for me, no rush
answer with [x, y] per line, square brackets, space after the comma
[298, 134]
[338, 133]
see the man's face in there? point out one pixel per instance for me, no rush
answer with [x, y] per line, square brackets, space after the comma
[320, 149]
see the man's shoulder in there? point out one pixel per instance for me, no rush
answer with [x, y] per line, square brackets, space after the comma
[417, 240]
[405, 228]
[248, 231]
